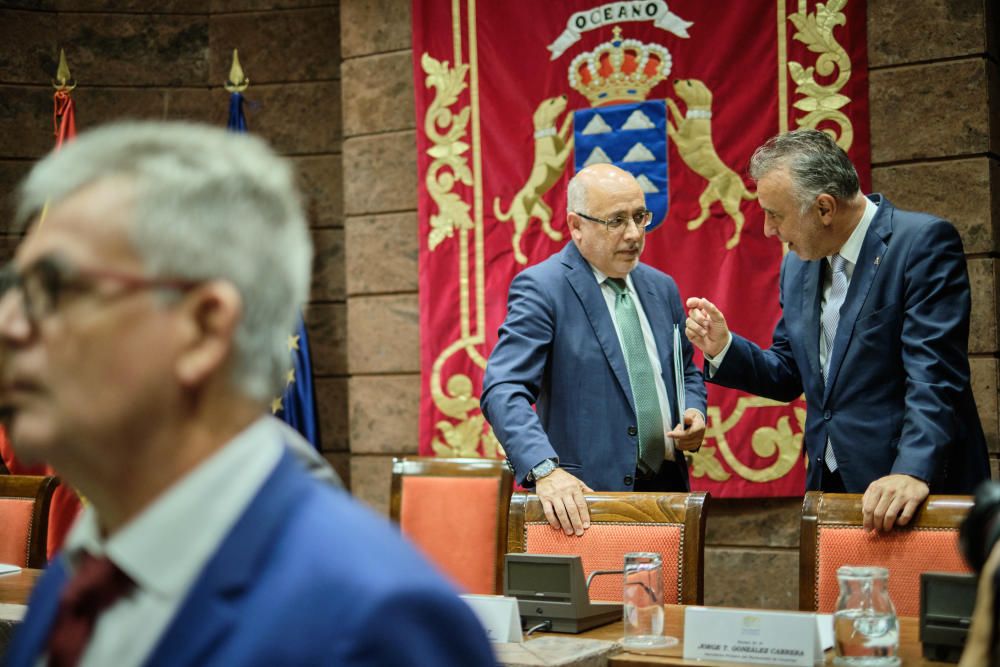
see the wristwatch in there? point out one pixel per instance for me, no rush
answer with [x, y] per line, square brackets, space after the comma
[543, 469]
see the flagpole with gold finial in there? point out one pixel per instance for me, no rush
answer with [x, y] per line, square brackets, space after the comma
[64, 109]
[64, 80]
[237, 82]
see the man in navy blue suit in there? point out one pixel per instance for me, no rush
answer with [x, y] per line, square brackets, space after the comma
[874, 329]
[588, 340]
[144, 330]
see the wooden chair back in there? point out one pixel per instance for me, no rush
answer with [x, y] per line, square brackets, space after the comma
[832, 535]
[671, 524]
[24, 515]
[455, 510]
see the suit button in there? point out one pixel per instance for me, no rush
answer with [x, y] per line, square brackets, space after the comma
[632, 430]
[628, 480]
[819, 459]
[827, 415]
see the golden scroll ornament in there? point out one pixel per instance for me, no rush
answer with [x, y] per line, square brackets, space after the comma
[822, 103]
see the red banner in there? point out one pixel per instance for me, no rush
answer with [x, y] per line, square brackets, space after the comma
[513, 97]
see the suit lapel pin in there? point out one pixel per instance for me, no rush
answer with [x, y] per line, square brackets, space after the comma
[877, 260]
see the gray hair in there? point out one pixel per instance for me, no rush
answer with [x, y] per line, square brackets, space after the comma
[815, 163]
[576, 194]
[210, 205]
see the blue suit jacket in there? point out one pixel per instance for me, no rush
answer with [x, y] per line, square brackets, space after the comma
[898, 398]
[558, 350]
[306, 577]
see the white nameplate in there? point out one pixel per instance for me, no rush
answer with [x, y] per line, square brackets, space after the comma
[747, 635]
[7, 568]
[499, 616]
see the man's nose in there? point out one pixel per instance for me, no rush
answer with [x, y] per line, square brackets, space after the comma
[632, 229]
[14, 323]
[769, 229]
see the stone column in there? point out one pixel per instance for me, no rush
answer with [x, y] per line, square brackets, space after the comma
[380, 201]
[935, 119]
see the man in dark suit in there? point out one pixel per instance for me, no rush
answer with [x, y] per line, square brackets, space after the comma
[588, 340]
[144, 330]
[874, 329]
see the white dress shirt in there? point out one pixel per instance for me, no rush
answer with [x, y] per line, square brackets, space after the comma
[647, 335]
[165, 548]
[850, 251]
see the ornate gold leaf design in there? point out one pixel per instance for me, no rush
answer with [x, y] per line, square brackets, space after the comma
[703, 462]
[822, 103]
[777, 441]
[454, 134]
[463, 439]
[445, 129]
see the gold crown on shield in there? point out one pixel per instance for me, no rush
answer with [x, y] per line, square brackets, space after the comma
[622, 70]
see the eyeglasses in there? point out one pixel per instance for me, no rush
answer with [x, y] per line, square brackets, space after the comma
[42, 284]
[641, 218]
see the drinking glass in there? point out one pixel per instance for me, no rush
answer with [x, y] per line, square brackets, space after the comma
[865, 627]
[642, 599]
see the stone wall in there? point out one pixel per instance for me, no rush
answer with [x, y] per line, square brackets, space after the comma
[380, 201]
[168, 59]
[934, 147]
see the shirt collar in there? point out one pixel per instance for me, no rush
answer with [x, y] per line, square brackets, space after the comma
[166, 546]
[851, 250]
[600, 276]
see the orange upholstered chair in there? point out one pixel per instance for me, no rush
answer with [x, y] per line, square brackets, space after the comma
[832, 536]
[455, 510]
[671, 524]
[24, 517]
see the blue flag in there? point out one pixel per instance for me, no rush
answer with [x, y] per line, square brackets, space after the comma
[297, 405]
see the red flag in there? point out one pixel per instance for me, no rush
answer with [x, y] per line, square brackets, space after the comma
[65, 502]
[64, 117]
[514, 97]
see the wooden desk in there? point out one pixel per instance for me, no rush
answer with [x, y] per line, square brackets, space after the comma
[909, 644]
[16, 588]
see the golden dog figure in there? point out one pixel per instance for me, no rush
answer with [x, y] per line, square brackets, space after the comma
[552, 148]
[692, 134]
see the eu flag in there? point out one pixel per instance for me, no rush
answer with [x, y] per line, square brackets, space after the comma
[297, 405]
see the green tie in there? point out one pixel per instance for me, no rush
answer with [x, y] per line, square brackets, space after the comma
[642, 379]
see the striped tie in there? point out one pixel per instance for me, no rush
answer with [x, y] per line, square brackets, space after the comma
[829, 320]
[642, 379]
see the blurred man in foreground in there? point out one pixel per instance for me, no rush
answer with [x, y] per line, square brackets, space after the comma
[874, 329]
[144, 325]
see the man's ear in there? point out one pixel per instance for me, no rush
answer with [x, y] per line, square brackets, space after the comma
[573, 221]
[826, 206]
[211, 313]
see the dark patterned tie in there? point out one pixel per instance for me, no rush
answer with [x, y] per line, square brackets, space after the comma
[642, 379]
[830, 320]
[97, 584]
